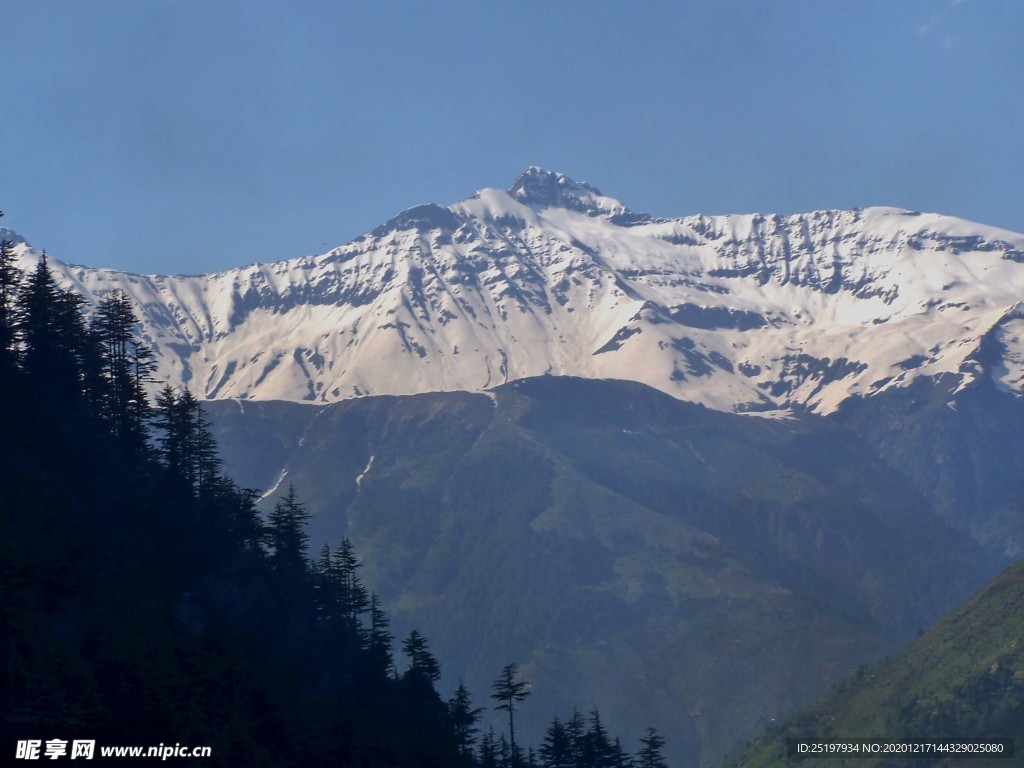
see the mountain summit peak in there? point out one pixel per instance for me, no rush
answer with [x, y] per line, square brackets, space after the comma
[11, 236]
[549, 189]
[537, 186]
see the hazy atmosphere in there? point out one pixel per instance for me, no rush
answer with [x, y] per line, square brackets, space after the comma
[512, 385]
[189, 137]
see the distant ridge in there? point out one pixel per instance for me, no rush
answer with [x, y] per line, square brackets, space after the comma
[741, 313]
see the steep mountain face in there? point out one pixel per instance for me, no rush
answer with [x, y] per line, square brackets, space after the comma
[739, 313]
[962, 450]
[674, 566]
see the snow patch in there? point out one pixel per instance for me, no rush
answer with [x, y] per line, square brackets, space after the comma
[273, 489]
[366, 469]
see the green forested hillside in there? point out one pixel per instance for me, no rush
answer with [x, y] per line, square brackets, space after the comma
[963, 679]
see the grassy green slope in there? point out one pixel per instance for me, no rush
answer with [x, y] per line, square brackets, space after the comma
[962, 679]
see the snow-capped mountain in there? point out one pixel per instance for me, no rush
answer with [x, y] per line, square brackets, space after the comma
[741, 312]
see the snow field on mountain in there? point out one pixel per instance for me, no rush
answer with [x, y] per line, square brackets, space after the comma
[741, 312]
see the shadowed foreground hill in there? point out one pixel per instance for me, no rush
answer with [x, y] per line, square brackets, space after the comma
[699, 571]
[963, 679]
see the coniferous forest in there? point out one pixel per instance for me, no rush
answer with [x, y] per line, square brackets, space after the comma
[146, 600]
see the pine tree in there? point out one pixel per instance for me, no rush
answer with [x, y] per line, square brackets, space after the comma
[200, 459]
[619, 757]
[649, 755]
[352, 597]
[464, 717]
[341, 595]
[10, 284]
[575, 730]
[556, 749]
[113, 324]
[168, 420]
[509, 691]
[126, 367]
[82, 350]
[597, 747]
[142, 368]
[37, 319]
[286, 530]
[58, 352]
[186, 444]
[323, 584]
[380, 637]
[244, 523]
[488, 752]
[423, 665]
[505, 756]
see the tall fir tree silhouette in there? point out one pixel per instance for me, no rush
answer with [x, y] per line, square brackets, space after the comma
[127, 366]
[286, 530]
[10, 284]
[650, 755]
[510, 692]
[464, 717]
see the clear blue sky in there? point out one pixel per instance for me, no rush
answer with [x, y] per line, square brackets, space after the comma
[194, 136]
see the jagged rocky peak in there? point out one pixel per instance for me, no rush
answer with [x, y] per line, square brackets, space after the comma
[11, 236]
[548, 189]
